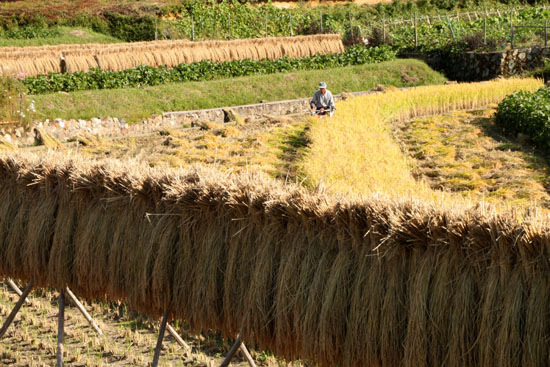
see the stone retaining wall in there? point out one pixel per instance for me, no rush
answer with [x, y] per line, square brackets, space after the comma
[66, 130]
[478, 66]
[289, 107]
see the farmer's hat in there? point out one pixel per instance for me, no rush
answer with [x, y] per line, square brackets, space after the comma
[322, 85]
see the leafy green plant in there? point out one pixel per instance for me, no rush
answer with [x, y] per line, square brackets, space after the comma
[529, 114]
[204, 70]
[30, 32]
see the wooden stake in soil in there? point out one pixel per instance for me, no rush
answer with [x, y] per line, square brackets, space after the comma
[15, 310]
[60, 329]
[159, 340]
[16, 289]
[83, 311]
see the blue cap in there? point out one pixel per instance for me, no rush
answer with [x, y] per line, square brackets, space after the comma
[322, 85]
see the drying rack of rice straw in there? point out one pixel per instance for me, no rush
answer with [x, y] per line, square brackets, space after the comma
[61, 322]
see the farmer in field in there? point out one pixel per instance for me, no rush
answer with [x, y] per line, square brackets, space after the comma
[322, 102]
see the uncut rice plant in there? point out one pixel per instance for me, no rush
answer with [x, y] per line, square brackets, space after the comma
[305, 274]
[354, 153]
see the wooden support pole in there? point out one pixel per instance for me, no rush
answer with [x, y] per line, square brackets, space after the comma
[16, 289]
[351, 26]
[321, 20]
[83, 311]
[229, 26]
[232, 352]
[159, 340]
[265, 25]
[60, 329]
[15, 310]
[546, 33]
[178, 338]
[511, 29]
[247, 355]
[415, 33]
[485, 28]
[384, 30]
[452, 30]
[192, 28]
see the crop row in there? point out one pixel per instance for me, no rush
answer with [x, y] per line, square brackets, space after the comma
[490, 33]
[204, 20]
[527, 113]
[205, 70]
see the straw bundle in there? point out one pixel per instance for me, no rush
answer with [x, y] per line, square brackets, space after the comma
[121, 56]
[339, 282]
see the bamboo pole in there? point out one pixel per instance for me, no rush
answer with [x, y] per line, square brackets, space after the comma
[452, 30]
[546, 33]
[247, 355]
[60, 329]
[511, 29]
[229, 26]
[485, 28]
[415, 33]
[16, 308]
[192, 28]
[16, 289]
[351, 26]
[159, 340]
[178, 338]
[384, 30]
[83, 311]
[232, 352]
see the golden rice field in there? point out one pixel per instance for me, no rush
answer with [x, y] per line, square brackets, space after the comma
[121, 56]
[366, 263]
[358, 156]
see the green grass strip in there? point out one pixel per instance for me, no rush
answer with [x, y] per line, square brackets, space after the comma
[57, 36]
[135, 104]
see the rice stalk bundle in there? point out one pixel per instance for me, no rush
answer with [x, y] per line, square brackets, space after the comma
[308, 275]
[121, 56]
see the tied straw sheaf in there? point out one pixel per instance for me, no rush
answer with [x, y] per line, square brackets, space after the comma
[304, 274]
[120, 56]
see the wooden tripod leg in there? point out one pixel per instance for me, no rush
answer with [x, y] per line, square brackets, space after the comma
[232, 352]
[83, 311]
[247, 355]
[16, 289]
[159, 340]
[15, 310]
[178, 338]
[60, 329]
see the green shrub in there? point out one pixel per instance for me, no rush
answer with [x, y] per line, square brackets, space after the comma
[529, 114]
